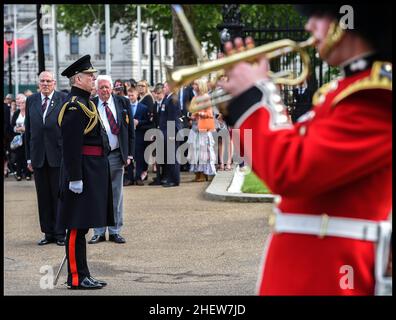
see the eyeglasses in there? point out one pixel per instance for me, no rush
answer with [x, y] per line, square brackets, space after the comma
[141, 85]
[46, 81]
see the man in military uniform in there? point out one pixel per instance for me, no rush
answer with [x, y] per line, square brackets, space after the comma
[333, 168]
[85, 185]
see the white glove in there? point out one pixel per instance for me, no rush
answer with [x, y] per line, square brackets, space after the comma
[76, 186]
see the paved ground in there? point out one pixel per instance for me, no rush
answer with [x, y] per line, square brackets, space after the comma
[178, 243]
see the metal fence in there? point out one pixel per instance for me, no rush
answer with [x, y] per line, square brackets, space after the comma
[320, 73]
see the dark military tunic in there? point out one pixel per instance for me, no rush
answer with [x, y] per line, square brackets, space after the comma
[93, 207]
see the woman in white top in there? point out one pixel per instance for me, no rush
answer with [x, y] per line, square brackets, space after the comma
[18, 125]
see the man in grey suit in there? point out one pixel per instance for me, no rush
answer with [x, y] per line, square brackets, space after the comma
[44, 151]
[116, 117]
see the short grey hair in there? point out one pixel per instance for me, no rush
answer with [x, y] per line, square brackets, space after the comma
[103, 77]
[49, 72]
[21, 96]
[72, 79]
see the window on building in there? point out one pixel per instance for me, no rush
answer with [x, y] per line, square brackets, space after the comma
[144, 74]
[143, 44]
[73, 44]
[167, 47]
[102, 43]
[155, 45]
[46, 41]
[156, 76]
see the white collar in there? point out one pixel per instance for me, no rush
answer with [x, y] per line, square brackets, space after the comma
[49, 96]
[360, 56]
[101, 102]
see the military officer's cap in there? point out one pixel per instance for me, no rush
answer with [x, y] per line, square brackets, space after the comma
[81, 65]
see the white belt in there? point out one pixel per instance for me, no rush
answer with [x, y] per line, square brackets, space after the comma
[324, 225]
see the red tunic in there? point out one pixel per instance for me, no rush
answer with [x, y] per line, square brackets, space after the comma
[338, 162]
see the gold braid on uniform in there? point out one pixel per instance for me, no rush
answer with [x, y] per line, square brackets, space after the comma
[379, 78]
[91, 114]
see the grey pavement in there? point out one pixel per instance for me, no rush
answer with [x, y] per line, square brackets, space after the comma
[178, 243]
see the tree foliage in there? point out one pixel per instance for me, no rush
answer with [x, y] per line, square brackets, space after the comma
[83, 19]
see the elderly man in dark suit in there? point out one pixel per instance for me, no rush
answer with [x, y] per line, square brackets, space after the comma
[303, 97]
[170, 124]
[44, 152]
[116, 117]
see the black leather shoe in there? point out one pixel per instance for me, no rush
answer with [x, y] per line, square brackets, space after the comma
[60, 242]
[170, 184]
[128, 183]
[116, 238]
[139, 183]
[155, 183]
[97, 238]
[86, 284]
[101, 282]
[45, 241]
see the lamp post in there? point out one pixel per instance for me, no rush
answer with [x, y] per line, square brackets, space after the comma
[152, 38]
[9, 35]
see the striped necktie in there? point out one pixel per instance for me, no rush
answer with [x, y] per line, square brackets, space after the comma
[115, 129]
[44, 105]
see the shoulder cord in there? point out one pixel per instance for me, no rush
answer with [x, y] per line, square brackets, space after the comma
[91, 114]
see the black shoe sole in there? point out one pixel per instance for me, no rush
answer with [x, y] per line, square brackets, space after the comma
[44, 244]
[84, 288]
[94, 242]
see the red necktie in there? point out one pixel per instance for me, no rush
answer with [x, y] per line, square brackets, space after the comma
[113, 124]
[44, 106]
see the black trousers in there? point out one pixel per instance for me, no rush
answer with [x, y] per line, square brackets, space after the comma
[130, 173]
[76, 253]
[141, 164]
[21, 164]
[46, 179]
[172, 169]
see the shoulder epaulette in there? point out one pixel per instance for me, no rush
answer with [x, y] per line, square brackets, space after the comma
[73, 104]
[379, 78]
[321, 92]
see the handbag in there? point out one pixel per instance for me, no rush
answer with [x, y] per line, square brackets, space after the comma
[206, 122]
[16, 142]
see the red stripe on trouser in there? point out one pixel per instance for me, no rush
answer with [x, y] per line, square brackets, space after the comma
[72, 257]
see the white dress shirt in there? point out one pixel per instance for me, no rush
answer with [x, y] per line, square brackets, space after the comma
[113, 139]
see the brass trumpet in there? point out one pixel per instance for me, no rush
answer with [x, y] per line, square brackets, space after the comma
[271, 50]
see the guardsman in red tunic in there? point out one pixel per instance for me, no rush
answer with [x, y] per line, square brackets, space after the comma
[85, 197]
[333, 169]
